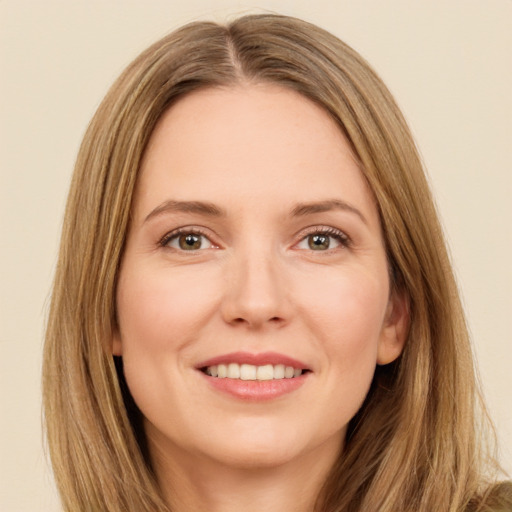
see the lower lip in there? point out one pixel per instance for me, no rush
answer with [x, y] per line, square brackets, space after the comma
[256, 390]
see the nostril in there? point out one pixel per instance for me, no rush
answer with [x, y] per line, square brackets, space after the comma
[240, 320]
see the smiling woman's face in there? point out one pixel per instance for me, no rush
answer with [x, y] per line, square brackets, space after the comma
[255, 251]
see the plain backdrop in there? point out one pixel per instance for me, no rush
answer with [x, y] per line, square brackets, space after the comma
[448, 62]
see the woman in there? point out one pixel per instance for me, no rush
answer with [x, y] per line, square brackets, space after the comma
[254, 308]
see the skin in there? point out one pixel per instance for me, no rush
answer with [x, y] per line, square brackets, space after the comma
[255, 284]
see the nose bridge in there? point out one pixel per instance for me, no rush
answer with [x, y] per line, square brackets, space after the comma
[255, 291]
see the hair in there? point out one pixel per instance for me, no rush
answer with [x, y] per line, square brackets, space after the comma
[416, 443]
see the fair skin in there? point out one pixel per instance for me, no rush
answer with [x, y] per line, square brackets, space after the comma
[279, 261]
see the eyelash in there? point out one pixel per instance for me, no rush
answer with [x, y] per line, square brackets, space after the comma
[341, 237]
[182, 231]
[331, 232]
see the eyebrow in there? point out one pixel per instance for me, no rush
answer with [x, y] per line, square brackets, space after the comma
[199, 207]
[326, 206]
[212, 210]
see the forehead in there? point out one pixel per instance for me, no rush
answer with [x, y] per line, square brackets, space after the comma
[252, 141]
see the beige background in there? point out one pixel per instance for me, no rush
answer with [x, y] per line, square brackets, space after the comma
[448, 63]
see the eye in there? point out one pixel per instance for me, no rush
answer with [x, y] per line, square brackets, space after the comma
[187, 241]
[323, 240]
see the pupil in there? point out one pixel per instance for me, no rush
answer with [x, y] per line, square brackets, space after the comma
[319, 242]
[190, 241]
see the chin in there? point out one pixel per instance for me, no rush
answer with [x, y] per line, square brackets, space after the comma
[256, 456]
[265, 448]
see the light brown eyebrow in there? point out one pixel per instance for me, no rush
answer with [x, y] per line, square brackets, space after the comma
[198, 207]
[325, 206]
[212, 210]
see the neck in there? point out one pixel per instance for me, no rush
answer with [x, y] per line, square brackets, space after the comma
[196, 482]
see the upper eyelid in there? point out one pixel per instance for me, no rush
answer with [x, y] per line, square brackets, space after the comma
[185, 230]
[299, 236]
[322, 229]
[343, 239]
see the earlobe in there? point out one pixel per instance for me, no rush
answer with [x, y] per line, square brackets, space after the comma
[395, 329]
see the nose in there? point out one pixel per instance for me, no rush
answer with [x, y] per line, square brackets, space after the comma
[255, 292]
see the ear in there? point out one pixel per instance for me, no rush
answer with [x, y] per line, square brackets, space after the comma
[394, 329]
[117, 346]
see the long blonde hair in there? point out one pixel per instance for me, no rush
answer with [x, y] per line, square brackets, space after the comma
[414, 445]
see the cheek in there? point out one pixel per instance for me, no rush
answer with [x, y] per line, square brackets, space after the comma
[346, 305]
[346, 311]
[161, 315]
[159, 308]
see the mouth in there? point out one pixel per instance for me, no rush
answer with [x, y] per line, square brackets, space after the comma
[247, 371]
[255, 377]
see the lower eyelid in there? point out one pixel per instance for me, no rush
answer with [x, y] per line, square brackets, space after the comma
[340, 237]
[337, 235]
[174, 235]
[338, 243]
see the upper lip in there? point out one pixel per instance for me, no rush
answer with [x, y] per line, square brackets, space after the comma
[261, 359]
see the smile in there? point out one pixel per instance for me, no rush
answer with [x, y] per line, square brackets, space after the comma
[252, 372]
[254, 377]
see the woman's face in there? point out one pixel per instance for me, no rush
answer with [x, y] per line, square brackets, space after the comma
[255, 253]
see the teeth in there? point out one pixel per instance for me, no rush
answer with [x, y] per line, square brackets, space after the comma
[251, 372]
[233, 371]
[222, 371]
[265, 372]
[248, 372]
[279, 371]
